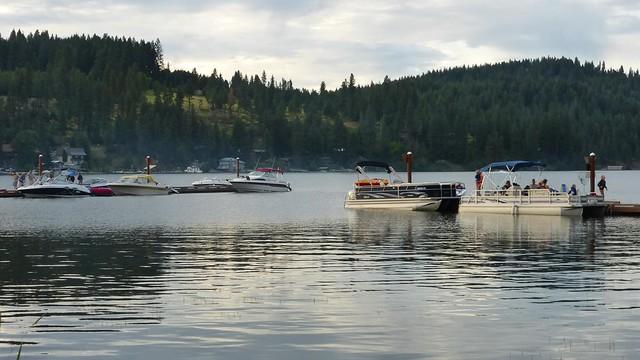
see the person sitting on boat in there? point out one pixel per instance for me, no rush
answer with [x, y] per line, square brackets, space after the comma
[573, 191]
[21, 179]
[479, 180]
[507, 185]
[533, 185]
[542, 184]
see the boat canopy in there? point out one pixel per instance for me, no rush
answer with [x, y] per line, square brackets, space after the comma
[379, 164]
[512, 165]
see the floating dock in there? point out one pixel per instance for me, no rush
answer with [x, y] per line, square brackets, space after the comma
[9, 193]
[203, 189]
[615, 208]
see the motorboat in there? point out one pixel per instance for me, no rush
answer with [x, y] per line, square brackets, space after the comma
[395, 193]
[511, 198]
[140, 184]
[193, 169]
[261, 180]
[57, 187]
[210, 182]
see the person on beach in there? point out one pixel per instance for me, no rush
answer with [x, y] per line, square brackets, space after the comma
[602, 185]
[479, 179]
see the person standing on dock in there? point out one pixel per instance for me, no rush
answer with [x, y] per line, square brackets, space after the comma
[479, 180]
[602, 185]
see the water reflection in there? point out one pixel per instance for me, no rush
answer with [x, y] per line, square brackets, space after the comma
[374, 284]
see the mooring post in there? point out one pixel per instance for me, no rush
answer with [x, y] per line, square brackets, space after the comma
[40, 165]
[592, 173]
[148, 158]
[408, 158]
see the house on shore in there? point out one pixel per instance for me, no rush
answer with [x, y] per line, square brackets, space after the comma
[69, 156]
[228, 164]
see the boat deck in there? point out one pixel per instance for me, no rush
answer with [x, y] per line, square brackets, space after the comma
[203, 189]
[532, 202]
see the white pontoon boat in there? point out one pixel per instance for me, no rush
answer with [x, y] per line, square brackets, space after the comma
[516, 200]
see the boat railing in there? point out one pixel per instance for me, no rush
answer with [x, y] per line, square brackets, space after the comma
[529, 196]
[435, 190]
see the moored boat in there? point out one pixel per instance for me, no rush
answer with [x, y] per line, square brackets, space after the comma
[395, 193]
[140, 184]
[261, 180]
[193, 169]
[210, 182]
[512, 199]
[58, 187]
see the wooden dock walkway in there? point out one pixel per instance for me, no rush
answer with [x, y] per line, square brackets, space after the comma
[615, 208]
[9, 193]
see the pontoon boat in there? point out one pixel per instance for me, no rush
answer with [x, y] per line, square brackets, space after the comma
[394, 193]
[515, 200]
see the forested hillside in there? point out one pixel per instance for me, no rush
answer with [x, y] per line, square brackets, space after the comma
[117, 99]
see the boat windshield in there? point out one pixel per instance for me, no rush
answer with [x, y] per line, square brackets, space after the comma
[60, 179]
[140, 179]
[259, 173]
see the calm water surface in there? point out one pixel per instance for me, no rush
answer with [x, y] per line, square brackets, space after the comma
[294, 275]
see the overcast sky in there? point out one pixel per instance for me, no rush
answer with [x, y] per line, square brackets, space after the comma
[313, 40]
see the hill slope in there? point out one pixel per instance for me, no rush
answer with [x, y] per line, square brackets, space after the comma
[114, 97]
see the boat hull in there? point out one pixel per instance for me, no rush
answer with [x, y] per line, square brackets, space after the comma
[137, 190]
[415, 204]
[244, 186]
[61, 191]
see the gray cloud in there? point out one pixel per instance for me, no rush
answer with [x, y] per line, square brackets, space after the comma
[314, 40]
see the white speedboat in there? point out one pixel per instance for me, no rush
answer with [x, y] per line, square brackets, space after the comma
[58, 187]
[261, 180]
[141, 184]
[394, 193]
[515, 200]
[193, 169]
[210, 182]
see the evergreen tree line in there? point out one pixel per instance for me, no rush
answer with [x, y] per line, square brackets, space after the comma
[116, 98]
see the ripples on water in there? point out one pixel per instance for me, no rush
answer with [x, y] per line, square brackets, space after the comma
[368, 285]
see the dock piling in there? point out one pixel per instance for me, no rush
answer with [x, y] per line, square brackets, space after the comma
[408, 158]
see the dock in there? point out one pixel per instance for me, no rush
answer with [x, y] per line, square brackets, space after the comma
[203, 189]
[9, 193]
[615, 208]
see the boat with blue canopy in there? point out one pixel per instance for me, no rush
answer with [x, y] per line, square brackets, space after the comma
[533, 199]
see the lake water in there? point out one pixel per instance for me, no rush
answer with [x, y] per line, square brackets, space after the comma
[297, 276]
